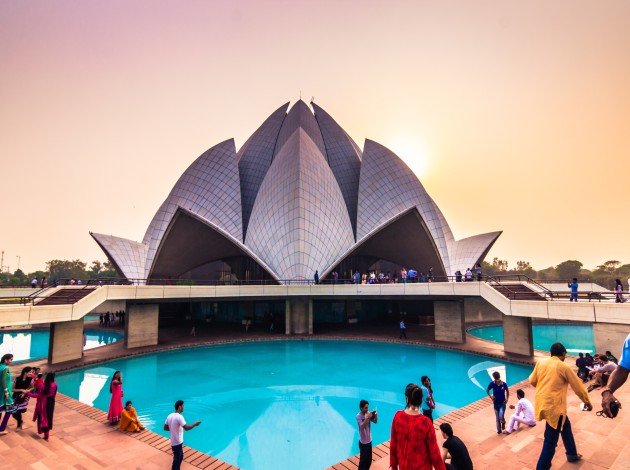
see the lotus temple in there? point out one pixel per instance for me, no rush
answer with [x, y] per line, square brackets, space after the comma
[299, 196]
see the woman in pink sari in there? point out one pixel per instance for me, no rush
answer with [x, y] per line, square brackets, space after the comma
[115, 405]
[45, 392]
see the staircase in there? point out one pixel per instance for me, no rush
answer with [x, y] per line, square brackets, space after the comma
[517, 291]
[66, 296]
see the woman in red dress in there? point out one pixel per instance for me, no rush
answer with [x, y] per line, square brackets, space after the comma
[45, 392]
[115, 405]
[413, 444]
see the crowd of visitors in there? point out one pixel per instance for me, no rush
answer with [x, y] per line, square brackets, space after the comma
[111, 319]
[405, 275]
[16, 394]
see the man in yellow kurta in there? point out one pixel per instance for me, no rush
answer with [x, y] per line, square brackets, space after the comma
[129, 419]
[551, 377]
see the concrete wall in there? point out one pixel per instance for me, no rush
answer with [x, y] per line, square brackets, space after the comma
[299, 316]
[610, 337]
[517, 335]
[141, 325]
[477, 309]
[66, 341]
[449, 321]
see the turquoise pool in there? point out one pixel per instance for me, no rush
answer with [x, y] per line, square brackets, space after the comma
[285, 404]
[33, 344]
[576, 338]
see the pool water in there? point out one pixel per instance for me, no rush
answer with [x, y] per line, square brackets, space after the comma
[576, 338]
[285, 404]
[33, 344]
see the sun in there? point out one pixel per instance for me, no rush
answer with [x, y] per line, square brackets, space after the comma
[414, 151]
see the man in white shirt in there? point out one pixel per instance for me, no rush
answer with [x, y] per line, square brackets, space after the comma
[524, 413]
[176, 424]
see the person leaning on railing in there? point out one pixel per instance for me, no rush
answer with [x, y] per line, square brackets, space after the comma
[610, 405]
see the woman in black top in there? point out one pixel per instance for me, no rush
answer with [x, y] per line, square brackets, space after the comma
[21, 386]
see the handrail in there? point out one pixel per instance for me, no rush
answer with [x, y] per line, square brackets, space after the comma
[522, 277]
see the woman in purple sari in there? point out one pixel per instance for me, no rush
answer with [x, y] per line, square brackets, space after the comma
[45, 407]
[115, 405]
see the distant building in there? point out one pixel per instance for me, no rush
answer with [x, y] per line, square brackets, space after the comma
[299, 196]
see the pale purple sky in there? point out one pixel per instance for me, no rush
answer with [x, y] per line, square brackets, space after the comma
[515, 115]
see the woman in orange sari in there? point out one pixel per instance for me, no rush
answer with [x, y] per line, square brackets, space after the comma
[129, 419]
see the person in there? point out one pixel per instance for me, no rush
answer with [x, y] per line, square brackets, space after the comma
[523, 414]
[619, 292]
[551, 377]
[364, 419]
[45, 405]
[428, 403]
[478, 271]
[413, 445]
[500, 396]
[590, 360]
[430, 275]
[115, 404]
[34, 283]
[44, 282]
[468, 275]
[458, 276]
[100, 320]
[6, 393]
[129, 419]
[582, 364]
[316, 277]
[616, 380]
[612, 358]
[357, 277]
[335, 277]
[403, 275]
[21, 386]
[403, 329]
[455, 449]
[176, 425]
[574, 290]
[600, 374]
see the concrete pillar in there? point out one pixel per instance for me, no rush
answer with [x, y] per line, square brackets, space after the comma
[66, 341]
[299, 312]
[287, 317]
[478, 309]
[610, 337]
[141, 325]
[517, 335]
[449, 321]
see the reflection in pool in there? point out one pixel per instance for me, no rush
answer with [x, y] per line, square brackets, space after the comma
[576, 338]
[33, 344]
[286, 404]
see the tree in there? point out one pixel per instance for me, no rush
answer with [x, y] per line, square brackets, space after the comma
[64, 269]
[609, 266]
[499, 264]
[568, 269]
[548, 274]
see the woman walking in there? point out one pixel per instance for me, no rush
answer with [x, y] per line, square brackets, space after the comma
[413, 444]
[21, 388]
[45, 406]
[115, 405]
[6, 398]
[619, 292]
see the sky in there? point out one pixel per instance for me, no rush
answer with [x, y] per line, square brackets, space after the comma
[514, 115]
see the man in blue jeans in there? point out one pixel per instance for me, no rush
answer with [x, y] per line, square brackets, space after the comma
[176, 424]
[552, 377]
[500, 395]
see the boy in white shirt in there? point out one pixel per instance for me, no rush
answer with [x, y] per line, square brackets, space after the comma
[524, 413]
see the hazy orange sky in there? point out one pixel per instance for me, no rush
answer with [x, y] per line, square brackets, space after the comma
[514, 114]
